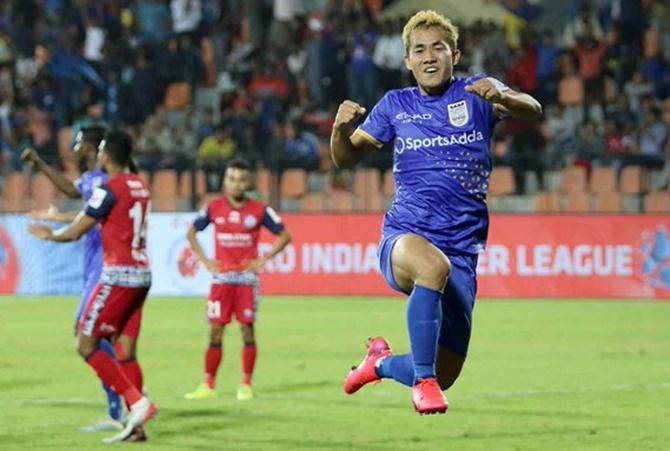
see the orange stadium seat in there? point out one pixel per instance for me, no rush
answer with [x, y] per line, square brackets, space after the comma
[177, 96]
[366, 180]
[185, 184]
[502, 181]
[608, 203]
[573, 180]
[547, 202]
[146, 176]
[603, 180]
[293, 183]
[265, 182]
[164, 203]
[388, 184]
[326, 162]
[15, 194]
[634, 180]
[373, 201]
[313, 202]
[578, 203]
[42, 191]
[657, 202]
[164, 184]
[342, 201]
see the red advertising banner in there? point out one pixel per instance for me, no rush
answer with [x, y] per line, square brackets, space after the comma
[571, 256]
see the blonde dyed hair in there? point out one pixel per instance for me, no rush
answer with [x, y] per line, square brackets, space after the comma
[429, 19]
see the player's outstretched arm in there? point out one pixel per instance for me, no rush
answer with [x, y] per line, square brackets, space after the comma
[347, 148]
[71, 232]
[52, 214]
[60, 181]
[507, 102]
[211, 265]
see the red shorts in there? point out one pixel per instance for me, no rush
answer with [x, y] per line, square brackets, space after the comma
[112, 311]
[224, 299]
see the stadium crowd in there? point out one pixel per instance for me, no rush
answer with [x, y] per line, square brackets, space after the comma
[197, 82]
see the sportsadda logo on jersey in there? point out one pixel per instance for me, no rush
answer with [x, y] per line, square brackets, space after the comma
[402, 144]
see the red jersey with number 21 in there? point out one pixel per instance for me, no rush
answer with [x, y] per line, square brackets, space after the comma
[237, 230]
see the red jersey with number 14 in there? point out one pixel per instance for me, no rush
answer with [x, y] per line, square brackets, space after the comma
[121, 206]
[236, 230]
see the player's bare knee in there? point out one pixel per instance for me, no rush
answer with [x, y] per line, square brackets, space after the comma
[247, 334]
[434, 271]
[216, 334]
[85, 348]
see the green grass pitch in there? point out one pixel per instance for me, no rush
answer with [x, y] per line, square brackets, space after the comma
[541, 375]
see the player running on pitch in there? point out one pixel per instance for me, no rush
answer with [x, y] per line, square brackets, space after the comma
[86, 146]
[237, 224]
[438, 222]
[114, 309]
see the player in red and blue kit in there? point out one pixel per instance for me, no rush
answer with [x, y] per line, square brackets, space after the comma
[86, 145]
[237, 224]
[438, 222]
[114, 308]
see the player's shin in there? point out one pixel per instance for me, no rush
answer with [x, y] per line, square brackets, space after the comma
[213, 357]
[113, 399]
[400, 368]
[423, 325]
[111, 374]
[249, 353]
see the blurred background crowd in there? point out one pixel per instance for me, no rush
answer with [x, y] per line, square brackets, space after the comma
[197, 82]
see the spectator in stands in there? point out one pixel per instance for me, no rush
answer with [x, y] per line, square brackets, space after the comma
[585, 23]
[153, 142]
[571, 93]
[548, 56]
[186, 16]
[362, 72]
[388, 57]
[154, 21]
[213, 154]
[145, 92]
[652, 136]
[590, 53]
[293, 148]
[556, 134]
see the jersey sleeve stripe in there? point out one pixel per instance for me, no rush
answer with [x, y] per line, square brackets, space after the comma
[368, 137]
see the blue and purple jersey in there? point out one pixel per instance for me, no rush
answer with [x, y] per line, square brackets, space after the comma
[442, 163]
[86, 184]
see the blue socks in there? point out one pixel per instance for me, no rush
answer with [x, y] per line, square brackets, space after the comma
[399, 368]
[424, 313]
[113, 399]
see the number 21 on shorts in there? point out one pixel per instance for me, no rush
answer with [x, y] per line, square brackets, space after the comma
[213, 309]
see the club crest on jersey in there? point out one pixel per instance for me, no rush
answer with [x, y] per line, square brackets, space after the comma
[250, 221]
[458, 113]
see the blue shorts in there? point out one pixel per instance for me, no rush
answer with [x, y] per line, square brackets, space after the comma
[458, 299]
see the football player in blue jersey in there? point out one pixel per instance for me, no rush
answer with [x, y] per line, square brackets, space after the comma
[438, 223]
[86, 146]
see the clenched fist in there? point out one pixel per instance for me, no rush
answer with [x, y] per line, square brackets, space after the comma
[347, 114]
[486, 89]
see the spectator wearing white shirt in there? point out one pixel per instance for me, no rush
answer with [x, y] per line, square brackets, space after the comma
[186, 16]
[95, 39]
[388, 57]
